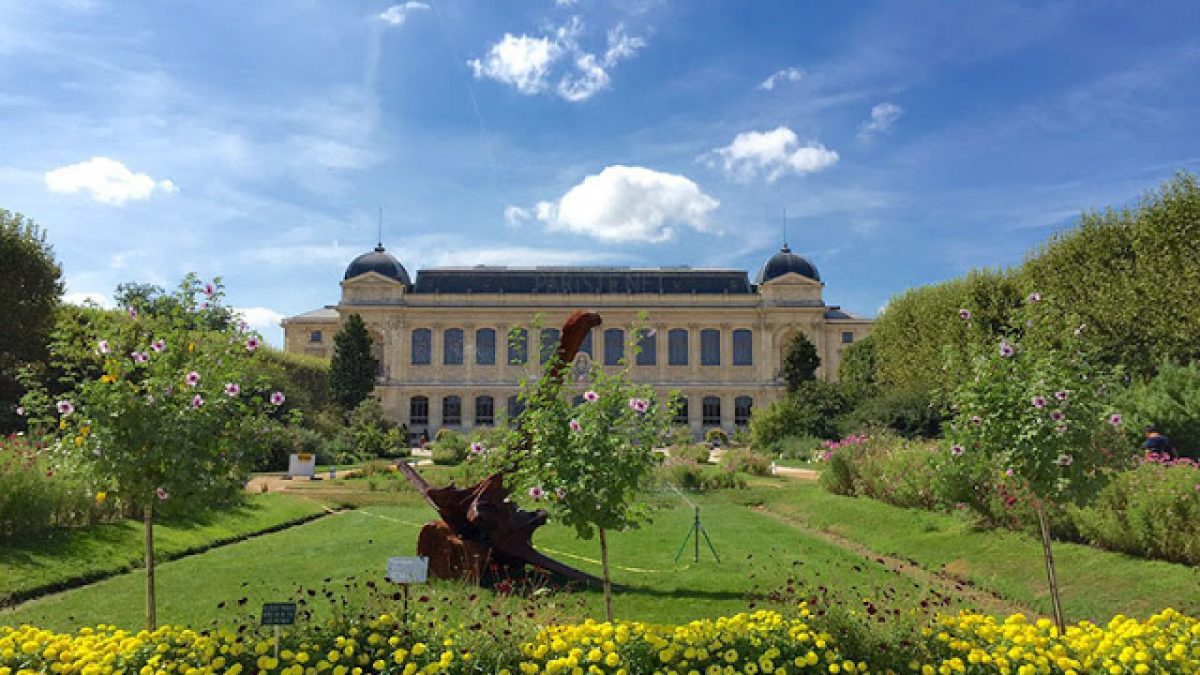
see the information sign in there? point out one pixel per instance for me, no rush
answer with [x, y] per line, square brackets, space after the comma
[278, 614]
[303, 464]
[410, 570]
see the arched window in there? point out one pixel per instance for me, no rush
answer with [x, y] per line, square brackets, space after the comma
[485, 411]
[422, 346]
[647, 347]
[515, 407]
[710, 347]
[710, 410]
[614, 346]
[743, 347]
[452, 411]
[518, 346]
[485, 347]
[452, 340]
[679, 406]
[418, 411]
[549, 344]
[677, 347]
[741, 410]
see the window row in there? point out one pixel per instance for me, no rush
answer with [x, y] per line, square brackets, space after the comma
[485, 410]
[613, 343]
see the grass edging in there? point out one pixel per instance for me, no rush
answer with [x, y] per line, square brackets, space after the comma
[16, 598]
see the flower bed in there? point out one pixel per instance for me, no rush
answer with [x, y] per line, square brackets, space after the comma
[763, 641]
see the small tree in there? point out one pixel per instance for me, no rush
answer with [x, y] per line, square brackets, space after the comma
[588, 463]
[30, 287]
[856, 372]
[1036, 417]
[353, 368]
[160, 425]
[800, 363]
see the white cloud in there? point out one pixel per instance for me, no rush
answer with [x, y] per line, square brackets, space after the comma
[520, 61]
[781, 76]
[527, 63]
[82, 299]
[515, 215]
[771, 154]
[261, 319]
[396, 14]
[108, 181]
[627, 203]
[883, 117]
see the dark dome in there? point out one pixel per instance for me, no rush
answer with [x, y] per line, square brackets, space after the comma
[785, 261]
[379, 261]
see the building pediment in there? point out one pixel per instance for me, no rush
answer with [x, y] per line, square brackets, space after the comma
[371, 288]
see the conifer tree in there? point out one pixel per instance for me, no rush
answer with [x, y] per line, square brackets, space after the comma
[353, 368]
[800, 363]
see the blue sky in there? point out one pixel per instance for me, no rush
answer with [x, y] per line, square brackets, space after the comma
[907, 141]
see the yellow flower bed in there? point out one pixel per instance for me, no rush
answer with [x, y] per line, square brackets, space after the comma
[759, 642]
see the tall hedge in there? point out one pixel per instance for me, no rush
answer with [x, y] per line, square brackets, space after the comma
[1131, 277]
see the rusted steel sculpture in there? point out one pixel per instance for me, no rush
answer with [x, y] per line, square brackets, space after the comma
[482, 537]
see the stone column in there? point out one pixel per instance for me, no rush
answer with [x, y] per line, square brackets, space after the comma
[694, 351]
[727, 413]
[435, 414]
[662, 352]
[468, 372]
[468, 407]
[726, 350]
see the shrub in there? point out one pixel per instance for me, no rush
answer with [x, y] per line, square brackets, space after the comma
[689, 475]
[38, 493]
[746, 460]
[794, 447]
[808, 411]
[741, 437]
[1169, 401]
[1153, 510]
[694, 452]
[838, 476]
[450, 448]
[908, 412]
[716, 437]
[680, 435]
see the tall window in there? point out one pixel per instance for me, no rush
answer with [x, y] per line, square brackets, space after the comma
[452, 341]
[710, 410]
[710, 347]
[585, 347]
[741, 410]
[418, 411]
[614, 346]
[485, 347]
[518, 346]
[743, 347]
[549, 344]
[515, 407]
[485, 411]
[679, 405]
[677, 347]
[422, 346]
[452, 411]
[647, 347]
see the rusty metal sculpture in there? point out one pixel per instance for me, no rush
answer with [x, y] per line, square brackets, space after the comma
[483, 537]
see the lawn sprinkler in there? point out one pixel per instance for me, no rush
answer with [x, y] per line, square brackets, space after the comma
[695, 532]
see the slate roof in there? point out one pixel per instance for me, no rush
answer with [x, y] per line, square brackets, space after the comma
[657, 280]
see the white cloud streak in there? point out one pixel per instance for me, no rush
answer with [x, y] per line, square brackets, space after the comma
[883, 118]
[396, 15]
[780, 77]
[625, 204]
[770, 154]
[107, 180]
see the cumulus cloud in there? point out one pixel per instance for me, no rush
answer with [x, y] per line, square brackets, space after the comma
[261, 319]
[397, 14]
[883, 117]
[92, 298]
[529, 63]
[780, 77]
[625, 204]
[107, 180]
[770, 154]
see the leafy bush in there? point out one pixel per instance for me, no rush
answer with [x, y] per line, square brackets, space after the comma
[680, 434]
[910, 413]
[741, 437]
[1169, 401]
[1153, 510]
[716, 437]
[693, 452]
[746, 460]
[450, 448]
[808, 411]
[39, 491]
[838, 476]
[794, 447]
[689, 475]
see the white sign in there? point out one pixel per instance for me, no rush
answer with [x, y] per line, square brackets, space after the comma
[303, 464]
[408, 570]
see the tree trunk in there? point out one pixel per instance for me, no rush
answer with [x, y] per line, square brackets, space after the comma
[148, 522]
[1050, 575]
[608, 613]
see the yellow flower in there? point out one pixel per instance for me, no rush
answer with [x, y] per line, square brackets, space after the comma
[101, 496]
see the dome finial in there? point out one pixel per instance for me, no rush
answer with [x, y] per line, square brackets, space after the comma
[785, 248]
[379, 246]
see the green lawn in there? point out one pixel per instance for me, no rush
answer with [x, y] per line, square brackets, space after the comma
[1095, 584]
[34, 564]
[758, 555]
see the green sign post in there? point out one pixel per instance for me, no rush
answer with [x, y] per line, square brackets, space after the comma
[278, 614]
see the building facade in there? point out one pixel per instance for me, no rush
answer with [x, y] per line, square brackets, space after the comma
[454, 345]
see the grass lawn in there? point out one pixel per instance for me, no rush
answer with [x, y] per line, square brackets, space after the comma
[1095, 584]
[30, 565]
[759, 554]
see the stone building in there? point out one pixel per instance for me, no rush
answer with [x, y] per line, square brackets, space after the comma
[454, 344]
